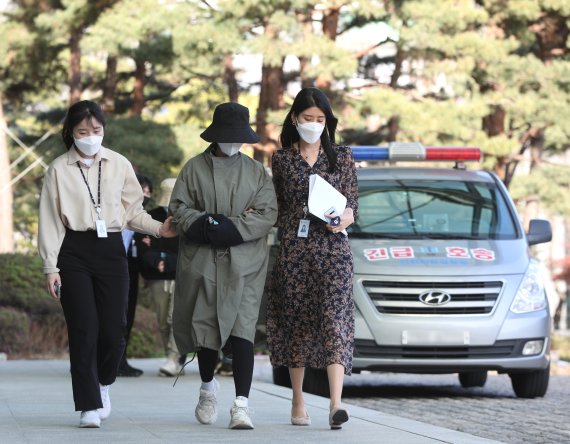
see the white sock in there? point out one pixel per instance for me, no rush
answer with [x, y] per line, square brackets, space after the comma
[210, 386]
[242, 399]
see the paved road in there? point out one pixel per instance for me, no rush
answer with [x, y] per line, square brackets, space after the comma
[491, 412]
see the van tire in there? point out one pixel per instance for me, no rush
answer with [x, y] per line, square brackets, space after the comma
[281, 376]
[316, 382]
[473, 379]
[531, 384]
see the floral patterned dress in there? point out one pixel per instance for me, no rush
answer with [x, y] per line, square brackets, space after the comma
[310, 312]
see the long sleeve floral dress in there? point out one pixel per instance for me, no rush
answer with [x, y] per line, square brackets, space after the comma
[310, 313]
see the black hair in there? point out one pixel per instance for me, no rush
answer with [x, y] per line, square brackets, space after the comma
[307, 98]
[145, 181]
[75, 114]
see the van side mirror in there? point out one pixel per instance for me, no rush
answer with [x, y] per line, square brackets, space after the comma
[539, 231]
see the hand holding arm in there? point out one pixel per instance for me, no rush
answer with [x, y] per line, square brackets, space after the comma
[167, 228]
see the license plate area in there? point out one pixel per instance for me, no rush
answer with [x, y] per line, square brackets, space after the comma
[435, 337]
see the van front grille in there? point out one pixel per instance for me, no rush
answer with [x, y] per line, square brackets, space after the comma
[500, 349]
[403, 298]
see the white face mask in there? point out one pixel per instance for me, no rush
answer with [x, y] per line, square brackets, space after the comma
[89, 145]
[310, 132]
[229, 149]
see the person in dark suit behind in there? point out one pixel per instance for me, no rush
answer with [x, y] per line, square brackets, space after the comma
[158, 259]
[125, 369]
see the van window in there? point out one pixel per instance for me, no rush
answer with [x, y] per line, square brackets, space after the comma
[432, 209]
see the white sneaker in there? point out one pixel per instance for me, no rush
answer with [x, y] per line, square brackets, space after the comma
[240, 414]
[170, 368]
[105, 411]
[90, 418]
[207, 409]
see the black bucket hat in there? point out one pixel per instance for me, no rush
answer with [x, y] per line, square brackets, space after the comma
[230, 125]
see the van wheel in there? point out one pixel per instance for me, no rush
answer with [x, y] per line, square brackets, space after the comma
[316, 382]
[473, 379]
[281, 376]
[531, 384]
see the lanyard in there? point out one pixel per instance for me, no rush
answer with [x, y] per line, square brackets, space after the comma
[98, 204]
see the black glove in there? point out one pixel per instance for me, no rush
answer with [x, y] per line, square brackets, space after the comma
[197, 231]
[221, 232]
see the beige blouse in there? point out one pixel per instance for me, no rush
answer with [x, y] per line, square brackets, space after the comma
[65, 201]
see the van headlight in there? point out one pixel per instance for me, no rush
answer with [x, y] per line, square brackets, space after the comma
[531, 295]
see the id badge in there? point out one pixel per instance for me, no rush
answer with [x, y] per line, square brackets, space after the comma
[101, 228]
[303, 228]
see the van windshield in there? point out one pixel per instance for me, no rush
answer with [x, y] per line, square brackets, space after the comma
[432, 209]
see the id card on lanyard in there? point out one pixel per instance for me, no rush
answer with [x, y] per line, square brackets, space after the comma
[304, 223]
[99, 223]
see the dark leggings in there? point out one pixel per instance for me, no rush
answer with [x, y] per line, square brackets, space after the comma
[242, 364]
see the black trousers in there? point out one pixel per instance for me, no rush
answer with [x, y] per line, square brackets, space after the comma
[94, 289]
[242, 364]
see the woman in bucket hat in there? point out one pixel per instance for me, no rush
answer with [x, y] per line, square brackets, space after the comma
[224, 205]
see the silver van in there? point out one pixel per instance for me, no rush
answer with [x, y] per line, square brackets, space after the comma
[444, 280]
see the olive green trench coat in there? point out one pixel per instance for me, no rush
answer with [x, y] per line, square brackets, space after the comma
[218, 291]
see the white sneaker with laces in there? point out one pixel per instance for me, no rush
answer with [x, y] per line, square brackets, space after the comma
[170, 368]
[90, 418]
[207, 409]
[240, 414]
[105, 411]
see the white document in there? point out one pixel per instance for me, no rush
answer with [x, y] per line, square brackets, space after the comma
[323, 198]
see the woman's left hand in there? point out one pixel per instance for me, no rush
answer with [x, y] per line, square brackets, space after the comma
[346, 219]
[167, 228]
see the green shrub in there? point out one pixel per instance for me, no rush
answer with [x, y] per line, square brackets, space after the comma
[14, 329]
[32, 324]
[145, 341]
[22, 286]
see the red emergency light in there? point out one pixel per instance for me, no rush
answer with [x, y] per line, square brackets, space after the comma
[414, 151]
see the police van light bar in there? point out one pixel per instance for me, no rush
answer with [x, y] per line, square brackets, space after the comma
[414, 151]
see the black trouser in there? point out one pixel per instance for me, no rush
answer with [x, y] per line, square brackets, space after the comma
[242, 364]
[94, 288]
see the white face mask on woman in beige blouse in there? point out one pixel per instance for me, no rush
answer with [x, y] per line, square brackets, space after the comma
[89, 145]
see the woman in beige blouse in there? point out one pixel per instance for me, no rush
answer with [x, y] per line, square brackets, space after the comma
[89, 195]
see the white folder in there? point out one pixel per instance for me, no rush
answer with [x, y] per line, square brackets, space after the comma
[323, 198]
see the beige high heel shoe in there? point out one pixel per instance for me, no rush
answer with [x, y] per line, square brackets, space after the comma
[300, 420]
[337, 417]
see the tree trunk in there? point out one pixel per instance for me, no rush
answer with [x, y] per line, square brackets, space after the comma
[230, 78]
[74, 71]
[138, 90]
[6, 197]
[393, 128]
[494, 125]
[552, 33]
[270, 98]
[330, 25]
[306, 82]
[110, 86]
[397, 67]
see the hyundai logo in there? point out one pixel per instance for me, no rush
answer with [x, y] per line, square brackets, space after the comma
[434, 297]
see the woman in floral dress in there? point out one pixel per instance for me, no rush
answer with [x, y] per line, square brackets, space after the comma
[310, 315]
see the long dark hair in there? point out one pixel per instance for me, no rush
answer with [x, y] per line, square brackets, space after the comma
[75, 114]
[307, 98]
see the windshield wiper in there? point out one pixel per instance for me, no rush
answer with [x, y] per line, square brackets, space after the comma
[365, 235]
[458, 236]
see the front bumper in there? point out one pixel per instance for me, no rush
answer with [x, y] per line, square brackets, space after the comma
[503, 356]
